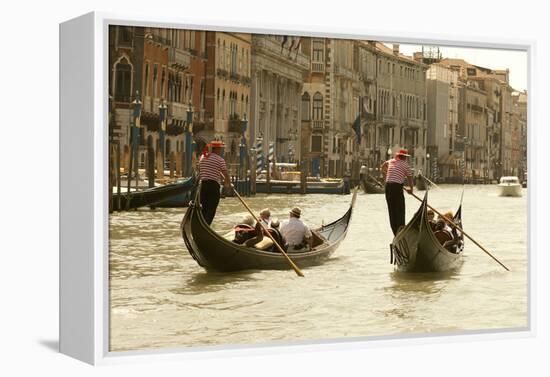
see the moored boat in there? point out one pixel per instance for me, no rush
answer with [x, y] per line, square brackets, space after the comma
[151, 196]
[213, 251]
[509, 186]
[417, 248]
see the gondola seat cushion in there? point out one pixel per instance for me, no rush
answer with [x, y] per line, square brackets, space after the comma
[265, 244]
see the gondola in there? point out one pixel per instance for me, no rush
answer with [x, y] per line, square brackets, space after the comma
[420, 183]
[416, 247]
[152, 196]
[371, 187]
[213, 252]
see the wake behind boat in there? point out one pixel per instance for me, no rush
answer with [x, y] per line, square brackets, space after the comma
[214, 252]
[417, 248]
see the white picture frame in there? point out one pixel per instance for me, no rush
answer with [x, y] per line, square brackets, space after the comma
[84, 305]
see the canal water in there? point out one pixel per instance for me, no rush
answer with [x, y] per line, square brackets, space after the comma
[160, 297]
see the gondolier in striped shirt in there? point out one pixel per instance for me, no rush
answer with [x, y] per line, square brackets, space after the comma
[212, 169]
[395, 171]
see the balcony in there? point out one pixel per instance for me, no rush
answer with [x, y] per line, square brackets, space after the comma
[388, 120]
[202, 126]
[413, 123]
[317, 125]
[236, 126]
[271, 46]
[318, 67]
[151, 104]
[178, 58]
[343, 72]
[177, 110]
[222, 73]
[235, 76]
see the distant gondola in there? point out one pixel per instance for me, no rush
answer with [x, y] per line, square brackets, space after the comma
[371, 187]
[420, 183]
[151, 196]
[214, 252]
[416, 247]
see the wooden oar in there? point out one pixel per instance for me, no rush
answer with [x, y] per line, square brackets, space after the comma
[292, 264]
[429, 181]
[463, 232]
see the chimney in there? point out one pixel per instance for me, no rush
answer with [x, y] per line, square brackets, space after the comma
[395, 49]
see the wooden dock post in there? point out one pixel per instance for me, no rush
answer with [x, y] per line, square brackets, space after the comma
[160, 165]
[303, 177]
[172, 164]
[268, 177]
[118, 183]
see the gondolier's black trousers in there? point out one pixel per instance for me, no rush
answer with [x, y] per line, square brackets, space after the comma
[210, 198]
[396, 205]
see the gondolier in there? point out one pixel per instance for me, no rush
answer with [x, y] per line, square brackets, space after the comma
[212, 169]
[395, 171]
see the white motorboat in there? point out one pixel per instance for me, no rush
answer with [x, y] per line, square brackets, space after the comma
[509, 186]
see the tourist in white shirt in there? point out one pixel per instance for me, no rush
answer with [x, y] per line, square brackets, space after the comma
[265, 217]
[295, 233]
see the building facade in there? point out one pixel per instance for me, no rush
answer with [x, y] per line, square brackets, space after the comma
[278, 68]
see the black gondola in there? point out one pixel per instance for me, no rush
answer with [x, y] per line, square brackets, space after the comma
[151, 196]
[416, 247]
[371, 187]
[214, 252]
[420, 182]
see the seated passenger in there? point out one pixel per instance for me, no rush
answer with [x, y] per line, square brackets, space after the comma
[444, 225]
[265, 217]
[430, 214]
[276, 234]
[248, 234]
[296, 234]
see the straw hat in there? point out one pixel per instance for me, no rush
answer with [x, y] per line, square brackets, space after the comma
[217, 144]
[403, 152]
[296, 211]
[275, 223]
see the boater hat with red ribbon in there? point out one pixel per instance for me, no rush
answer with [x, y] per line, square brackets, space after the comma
[213, 144]
[403, 152]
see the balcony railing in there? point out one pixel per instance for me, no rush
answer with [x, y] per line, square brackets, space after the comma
[177, 110]
[343, 72]
[317, 67]
[317, 124]
[413, 123]
[179, 58]
[222, 73]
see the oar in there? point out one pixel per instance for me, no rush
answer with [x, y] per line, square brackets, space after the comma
[463, 232]
[431, 182]
[296, 269]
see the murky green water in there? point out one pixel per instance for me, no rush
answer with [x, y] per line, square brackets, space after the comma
[160, 297]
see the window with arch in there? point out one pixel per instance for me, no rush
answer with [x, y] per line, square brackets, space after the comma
[123, 80]
[306, 106]
[146, 80]
[317, 106]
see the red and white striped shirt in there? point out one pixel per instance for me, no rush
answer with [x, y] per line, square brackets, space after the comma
[397, 171]
[211, 167]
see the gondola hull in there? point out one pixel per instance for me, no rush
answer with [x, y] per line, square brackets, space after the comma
[416, 249]
[215, 253]
[152, 196]
[371, 188]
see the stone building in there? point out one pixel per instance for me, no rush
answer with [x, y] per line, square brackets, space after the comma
[401, 105]
[227, 93]
[443, 160]
[278, 68]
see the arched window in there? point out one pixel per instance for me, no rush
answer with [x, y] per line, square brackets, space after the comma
[306, 106]
[123, 80]
[318, 106]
